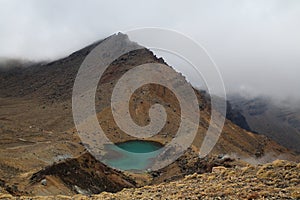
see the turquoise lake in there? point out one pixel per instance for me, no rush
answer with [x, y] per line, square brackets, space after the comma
[134, 155]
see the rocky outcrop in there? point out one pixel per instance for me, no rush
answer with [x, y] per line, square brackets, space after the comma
[84, 175]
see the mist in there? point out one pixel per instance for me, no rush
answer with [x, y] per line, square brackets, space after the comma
[12, 63]
[254, 43]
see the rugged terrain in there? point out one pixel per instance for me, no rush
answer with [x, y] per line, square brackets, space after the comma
[277, 180]
[38, 137]
[279, 121]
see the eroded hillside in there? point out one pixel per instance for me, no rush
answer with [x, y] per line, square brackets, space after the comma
[38, 133]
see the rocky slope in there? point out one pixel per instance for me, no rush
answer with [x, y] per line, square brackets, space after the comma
[277, 180]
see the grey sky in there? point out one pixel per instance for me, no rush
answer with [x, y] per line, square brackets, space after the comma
[255, 43]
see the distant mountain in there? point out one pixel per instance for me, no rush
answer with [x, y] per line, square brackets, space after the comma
[279, 121]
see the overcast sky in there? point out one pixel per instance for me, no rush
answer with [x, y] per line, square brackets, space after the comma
[255, 43]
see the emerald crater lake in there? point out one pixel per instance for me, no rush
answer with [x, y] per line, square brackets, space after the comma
[134, 155]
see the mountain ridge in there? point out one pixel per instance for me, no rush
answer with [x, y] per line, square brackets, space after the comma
[279, 121]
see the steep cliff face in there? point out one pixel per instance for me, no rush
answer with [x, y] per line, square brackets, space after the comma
[237, 117]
